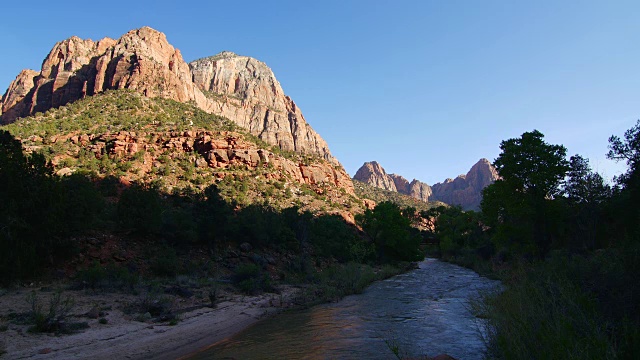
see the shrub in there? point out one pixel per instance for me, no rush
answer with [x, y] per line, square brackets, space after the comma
[54, 320]
[107, 277]
[544, 313]
[250, 279]
[166, 262]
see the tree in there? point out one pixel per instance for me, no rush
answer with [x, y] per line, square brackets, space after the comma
[457, 231]
[629, 150]
[584, 186]
[391, 232]
[518, 205]
[628, 199]
[586, 193]
[532, 165]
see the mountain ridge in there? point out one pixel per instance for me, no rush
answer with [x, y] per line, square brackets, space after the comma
[465, 190]
[144, 61]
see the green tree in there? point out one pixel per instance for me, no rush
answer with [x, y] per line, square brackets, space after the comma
[587, 194]
[37, 211]
[518, 205]
[391, 232]
[627, 149]
[457, 230]
[140, 209]
[214, 216]
[627, 200]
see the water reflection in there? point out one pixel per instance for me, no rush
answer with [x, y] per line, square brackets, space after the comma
[424, 312]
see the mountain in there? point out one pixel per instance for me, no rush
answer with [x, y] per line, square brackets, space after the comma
[464, 190]
[239, 88]
[373, 174]
[177, 147]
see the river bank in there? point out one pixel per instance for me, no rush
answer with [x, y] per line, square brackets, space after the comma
[165, 323]
[414, 315]
[122, 335]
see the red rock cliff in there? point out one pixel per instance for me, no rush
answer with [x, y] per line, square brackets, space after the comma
[237, 87]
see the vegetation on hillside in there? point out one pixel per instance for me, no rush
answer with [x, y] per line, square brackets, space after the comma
[81, 138]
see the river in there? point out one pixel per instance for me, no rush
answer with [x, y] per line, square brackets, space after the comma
[422, 312]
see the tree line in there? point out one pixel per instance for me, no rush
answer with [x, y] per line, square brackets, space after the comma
[42, 213]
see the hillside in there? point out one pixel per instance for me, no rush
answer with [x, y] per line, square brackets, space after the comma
[178, 147]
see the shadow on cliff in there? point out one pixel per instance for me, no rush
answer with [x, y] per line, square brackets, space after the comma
[78, 85]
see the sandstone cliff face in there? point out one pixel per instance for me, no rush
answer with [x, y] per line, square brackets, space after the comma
[245, 89]
[373, 174]
[402, 184]
[465, 190]
[239, 88]
[420, 190]
[141, 60]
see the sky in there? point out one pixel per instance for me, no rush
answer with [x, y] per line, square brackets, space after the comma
[426, 88]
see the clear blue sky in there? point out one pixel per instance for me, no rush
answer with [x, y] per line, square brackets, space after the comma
[426, 88]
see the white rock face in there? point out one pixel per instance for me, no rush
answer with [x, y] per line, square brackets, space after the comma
[246, 90]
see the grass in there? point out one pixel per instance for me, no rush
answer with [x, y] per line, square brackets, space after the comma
[568, 307]
[340, 280]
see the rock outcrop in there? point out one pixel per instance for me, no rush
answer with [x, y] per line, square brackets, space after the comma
[237, 87]
[464, 190]
[216, 150]
[246, 90]
[420, 190]
[402, 184]
[373, 174]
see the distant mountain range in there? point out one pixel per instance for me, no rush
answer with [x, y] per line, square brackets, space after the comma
[464, 190]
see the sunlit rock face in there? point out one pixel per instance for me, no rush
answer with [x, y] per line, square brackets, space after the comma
[240, 88]
[464, 190]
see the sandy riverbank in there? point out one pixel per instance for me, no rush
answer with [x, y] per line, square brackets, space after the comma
[123, 337]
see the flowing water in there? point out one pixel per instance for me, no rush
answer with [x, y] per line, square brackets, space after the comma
[423, 312]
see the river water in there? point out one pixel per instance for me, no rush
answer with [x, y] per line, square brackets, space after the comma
[423, 312]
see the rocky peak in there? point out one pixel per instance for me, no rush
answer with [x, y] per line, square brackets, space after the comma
[465, 190]
[402, 184]
[373, 174]
[240, 88]
[245, 89]
[420, 190]
[481, 174]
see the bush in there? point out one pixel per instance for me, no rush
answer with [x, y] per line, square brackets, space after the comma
[166, 262]
[54, 320]
[250, 279]
[107, 277]
[569, 307]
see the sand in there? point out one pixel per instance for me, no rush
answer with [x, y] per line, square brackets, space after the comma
[125, 338]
